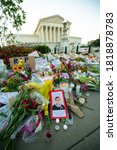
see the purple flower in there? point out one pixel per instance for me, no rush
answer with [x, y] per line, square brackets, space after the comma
[65, 75]
[84, 87]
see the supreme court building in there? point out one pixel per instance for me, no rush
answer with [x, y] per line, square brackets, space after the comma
[49, 31]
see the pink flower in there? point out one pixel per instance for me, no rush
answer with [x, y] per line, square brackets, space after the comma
[52, 66]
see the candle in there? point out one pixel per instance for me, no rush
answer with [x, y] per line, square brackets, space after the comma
[82, 100]
[57, 127]
[65, 127]
[57, 120]
[77, 89]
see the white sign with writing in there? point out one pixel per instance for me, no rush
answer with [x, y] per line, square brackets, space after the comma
[56, 62]
[84, 50]
[35, 54]
[50, 57]
[40, 63]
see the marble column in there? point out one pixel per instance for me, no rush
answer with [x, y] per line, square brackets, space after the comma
[58, 34]
[61, 32]
[46, 33]
[54, 34]
[50, 34]
[42, 34]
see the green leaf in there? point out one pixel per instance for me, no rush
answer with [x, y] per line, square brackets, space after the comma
[3, 114]
[12, 13]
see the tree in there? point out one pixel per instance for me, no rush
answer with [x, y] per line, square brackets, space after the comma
[12, 16]
[43, 49]
[96, 42]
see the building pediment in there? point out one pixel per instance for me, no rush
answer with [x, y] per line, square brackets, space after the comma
[53, 19]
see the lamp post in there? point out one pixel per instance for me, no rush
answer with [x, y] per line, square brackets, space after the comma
[89, 48]
[65, 49]
[77, 48]
[55, 49]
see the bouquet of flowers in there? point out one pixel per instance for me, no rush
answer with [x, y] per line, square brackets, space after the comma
[27, 103]
[20, 75]
[92, 83]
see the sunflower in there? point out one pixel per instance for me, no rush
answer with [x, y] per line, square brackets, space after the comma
[15, 68]
[20, 67]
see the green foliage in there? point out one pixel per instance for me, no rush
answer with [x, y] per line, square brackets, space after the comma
[96, 42]
[42, 49]
[84, 79]
[94, 69]
[82, 46]
[12, 15]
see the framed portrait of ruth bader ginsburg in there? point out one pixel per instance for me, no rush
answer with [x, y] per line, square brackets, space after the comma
[57, 104]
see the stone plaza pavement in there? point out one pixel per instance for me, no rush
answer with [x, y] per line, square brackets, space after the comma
[84, 134]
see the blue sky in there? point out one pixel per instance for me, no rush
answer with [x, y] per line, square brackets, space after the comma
[83, 14]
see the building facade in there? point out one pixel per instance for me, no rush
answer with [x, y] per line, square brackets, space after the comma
[49, 31]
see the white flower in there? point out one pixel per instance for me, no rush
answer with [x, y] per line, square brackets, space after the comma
[71, 85]
[79, 71]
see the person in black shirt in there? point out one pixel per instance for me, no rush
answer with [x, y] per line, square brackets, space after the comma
[58, 105]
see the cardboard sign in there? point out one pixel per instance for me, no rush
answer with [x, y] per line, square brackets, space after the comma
[28, 60]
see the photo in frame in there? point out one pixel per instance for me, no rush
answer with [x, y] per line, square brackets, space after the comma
[57, 105]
